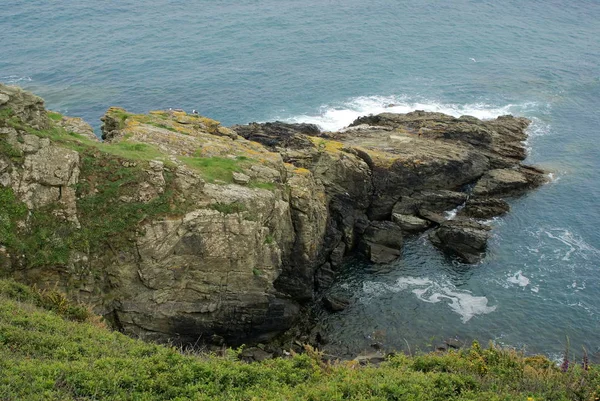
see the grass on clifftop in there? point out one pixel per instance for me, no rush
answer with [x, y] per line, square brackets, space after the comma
[45, 356]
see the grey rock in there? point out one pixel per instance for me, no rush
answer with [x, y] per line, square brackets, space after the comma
[240, 178]
[410, 223]
[466, 239]
[381, 254]
[485, 208]
[255, 354]
[324, 276]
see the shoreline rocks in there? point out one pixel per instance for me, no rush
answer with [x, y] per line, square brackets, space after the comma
[243, 226]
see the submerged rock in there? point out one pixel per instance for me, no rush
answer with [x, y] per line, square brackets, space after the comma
[335, 303]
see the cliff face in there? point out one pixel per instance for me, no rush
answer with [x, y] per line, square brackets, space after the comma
[178, 228]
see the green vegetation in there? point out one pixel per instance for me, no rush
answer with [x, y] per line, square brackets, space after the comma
[121, 115]
[80, 143]
[214, 169]
[269, 186]
[54, 116]
[257, 272]
[110, 213]
[109, 210]
[159, 125]
[269, 239]
[6, 148]
[44, 356]
[229, 208]
[46, 240]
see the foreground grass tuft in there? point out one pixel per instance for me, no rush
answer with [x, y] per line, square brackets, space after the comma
[44, 356]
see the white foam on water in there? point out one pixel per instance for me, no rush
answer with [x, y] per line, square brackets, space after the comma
[574, 244]
[462, 302]
[333, 118]
[14, 79]
[519, 279]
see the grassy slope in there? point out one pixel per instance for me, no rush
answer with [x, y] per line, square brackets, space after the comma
[50, 350]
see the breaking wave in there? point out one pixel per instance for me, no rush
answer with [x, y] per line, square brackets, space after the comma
[335, 117]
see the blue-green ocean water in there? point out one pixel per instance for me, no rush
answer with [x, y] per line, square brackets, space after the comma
[329, 61]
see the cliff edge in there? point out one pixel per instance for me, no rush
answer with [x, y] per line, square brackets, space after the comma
[177, 228]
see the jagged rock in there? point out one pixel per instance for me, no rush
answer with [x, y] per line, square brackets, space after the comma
[466, 239]
[237, 263]
[78, 126]
[410, 223]
[382, 241]
[278, 134]
[335, 303]
[437, 201]
[485, 208]
[324, 276]
[508, 181]
[381, 254]
[28, 107]
[435, 218]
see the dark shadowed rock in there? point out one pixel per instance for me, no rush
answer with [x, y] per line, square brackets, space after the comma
[278, 134]
[382, 241]
[437, 201]
[381, 254]
[410, 223]
[324, 276]
[466, 239]
[485, 208]
[255, 354]
[335, 303]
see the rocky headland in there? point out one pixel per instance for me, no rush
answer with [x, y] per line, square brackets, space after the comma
[177, 228]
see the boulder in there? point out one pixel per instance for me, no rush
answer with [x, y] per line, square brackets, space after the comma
[381, 254]
[484, 208]
[240, 178]
[437, 201]
[466, 239]
[508, 181]
[410, 223]
[382, 241]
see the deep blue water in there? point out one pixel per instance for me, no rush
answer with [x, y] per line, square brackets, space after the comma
[329, 61]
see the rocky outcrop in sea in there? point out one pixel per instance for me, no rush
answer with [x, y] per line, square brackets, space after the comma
[177, 228]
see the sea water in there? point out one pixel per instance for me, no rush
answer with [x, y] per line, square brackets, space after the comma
[330, 61]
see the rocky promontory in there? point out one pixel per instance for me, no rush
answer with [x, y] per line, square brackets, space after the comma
[175, 227]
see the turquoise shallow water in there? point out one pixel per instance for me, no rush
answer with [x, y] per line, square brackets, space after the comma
[330, 61]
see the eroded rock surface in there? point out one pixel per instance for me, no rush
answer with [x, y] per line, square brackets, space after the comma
[177, 228]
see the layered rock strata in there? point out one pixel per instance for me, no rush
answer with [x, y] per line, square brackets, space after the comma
[177, 228]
